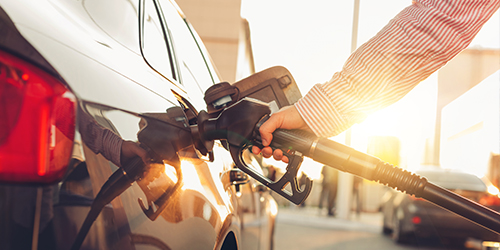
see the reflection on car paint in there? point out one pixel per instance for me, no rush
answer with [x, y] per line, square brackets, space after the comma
[112, 82]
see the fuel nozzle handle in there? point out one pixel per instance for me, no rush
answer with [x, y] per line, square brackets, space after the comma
[349, 160]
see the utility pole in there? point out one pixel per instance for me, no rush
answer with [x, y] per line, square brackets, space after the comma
[345, 180]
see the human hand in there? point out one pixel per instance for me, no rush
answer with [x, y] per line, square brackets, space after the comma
[286, 118]
[131, 149]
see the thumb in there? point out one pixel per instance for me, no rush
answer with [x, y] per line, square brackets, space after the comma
[267, 129]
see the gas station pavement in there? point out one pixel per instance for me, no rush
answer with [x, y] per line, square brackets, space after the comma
[314, 217]
[310, 228]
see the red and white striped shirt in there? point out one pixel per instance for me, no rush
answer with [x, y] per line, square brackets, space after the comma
[416, 43]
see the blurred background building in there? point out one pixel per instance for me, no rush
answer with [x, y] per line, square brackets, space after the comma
[460, 75]
[225, 34]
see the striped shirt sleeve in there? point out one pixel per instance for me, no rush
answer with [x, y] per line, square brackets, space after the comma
[99, 139]
[417, 42]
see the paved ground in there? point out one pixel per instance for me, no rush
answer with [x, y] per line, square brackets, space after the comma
[310, 229]
[312, 216]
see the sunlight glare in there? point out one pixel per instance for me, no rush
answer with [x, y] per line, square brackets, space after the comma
[190, 176]
[493, 190]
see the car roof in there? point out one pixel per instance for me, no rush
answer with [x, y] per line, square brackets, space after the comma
[454, 180]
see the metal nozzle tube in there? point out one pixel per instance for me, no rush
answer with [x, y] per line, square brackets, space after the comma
[349, 160]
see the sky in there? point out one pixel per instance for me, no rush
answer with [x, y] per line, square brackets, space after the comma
[312, 39]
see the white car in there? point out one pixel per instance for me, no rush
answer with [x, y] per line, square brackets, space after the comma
[74, 76]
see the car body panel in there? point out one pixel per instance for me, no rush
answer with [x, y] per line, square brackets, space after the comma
[93, 56]
[92, 47]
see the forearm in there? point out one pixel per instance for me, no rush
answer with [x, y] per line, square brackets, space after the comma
[99, 139]
[416, 43]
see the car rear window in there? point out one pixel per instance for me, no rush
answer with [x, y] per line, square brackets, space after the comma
[454, 181]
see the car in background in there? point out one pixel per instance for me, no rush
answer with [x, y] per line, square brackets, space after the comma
[407, 218]
[77, 79]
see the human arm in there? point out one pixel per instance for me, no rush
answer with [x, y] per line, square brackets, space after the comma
[416, 43]
[106, 142]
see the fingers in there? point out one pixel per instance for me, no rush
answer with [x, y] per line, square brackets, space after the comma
[142, 153]
[287, 118]
[267, 152]
[284, 159]
[256, 150]
[130, 149]
[267, 129]
[278, 155]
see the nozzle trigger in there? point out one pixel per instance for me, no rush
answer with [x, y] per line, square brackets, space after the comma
[296, 196]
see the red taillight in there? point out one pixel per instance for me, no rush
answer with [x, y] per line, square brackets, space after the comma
[416, 220]
[37, 123]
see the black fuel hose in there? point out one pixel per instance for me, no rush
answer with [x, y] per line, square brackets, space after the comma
[116, 184]
[349, 160]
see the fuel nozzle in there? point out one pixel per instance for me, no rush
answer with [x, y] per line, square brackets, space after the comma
[239, 124]
[236, 124]
[165, 134]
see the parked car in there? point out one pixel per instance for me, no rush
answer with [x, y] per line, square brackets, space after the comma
[74, 77]
[407, 218]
